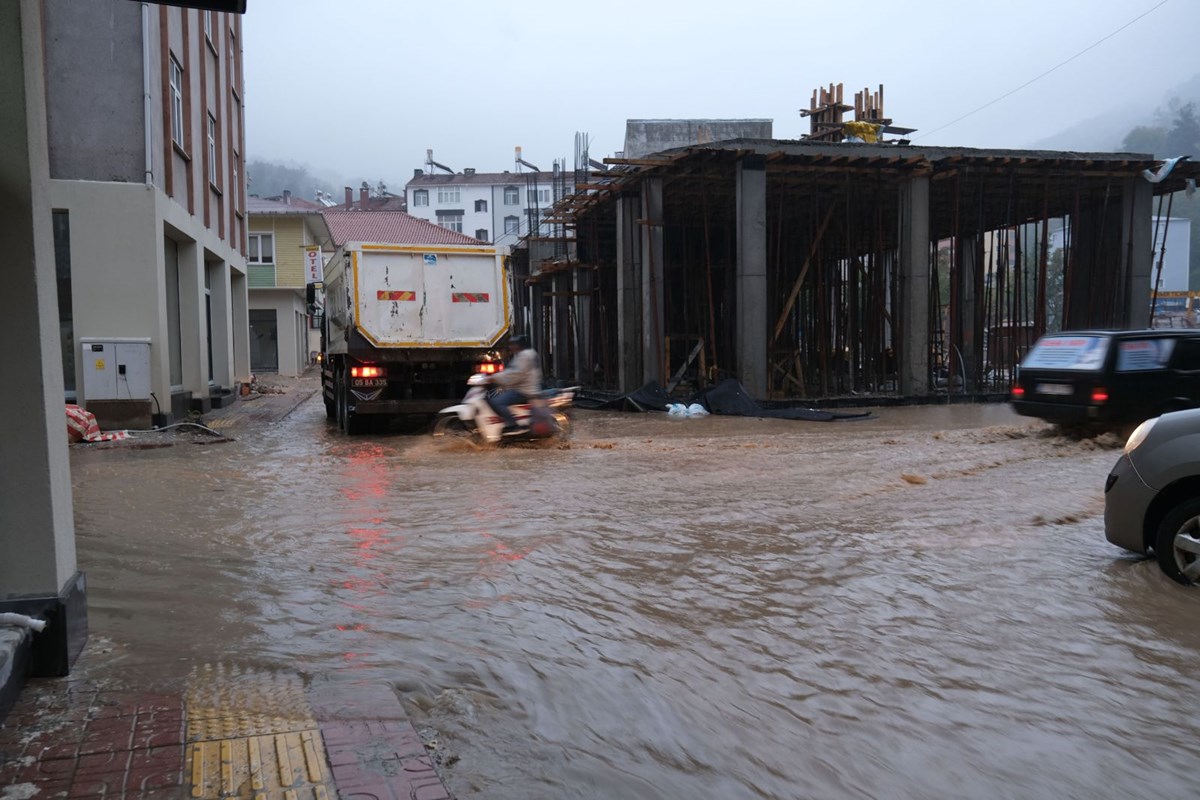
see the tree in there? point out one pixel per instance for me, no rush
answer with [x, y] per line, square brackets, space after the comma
[1150, 139]
[1183, 139]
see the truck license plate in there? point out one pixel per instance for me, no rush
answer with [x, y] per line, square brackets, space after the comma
[369, 382]
[1055, 388]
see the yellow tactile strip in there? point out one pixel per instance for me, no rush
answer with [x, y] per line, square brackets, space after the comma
[252, 735]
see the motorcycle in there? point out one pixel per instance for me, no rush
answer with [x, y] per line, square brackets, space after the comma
[474, 417]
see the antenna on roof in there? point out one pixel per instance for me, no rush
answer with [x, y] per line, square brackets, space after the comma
[431, 163]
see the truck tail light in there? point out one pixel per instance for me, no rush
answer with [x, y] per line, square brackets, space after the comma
[1099, 395]
[1018, 392]
[366, 372]
[489, 368]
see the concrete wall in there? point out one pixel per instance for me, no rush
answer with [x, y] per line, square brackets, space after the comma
[646, 136]
[119, 283]
[291, 333]
[95, 112]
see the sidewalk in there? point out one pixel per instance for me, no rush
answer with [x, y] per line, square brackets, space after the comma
[224, 732]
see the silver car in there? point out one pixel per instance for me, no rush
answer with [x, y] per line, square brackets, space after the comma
[1152, 497]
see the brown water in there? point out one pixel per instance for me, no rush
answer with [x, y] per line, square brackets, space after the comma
[919, 605]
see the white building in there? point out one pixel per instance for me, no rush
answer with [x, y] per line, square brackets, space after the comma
[496, 207]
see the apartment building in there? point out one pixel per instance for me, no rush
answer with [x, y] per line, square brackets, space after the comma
[146, 145]
[498, 207]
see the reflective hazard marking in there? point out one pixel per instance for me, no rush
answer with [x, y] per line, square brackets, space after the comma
[396, 295]
[468, 297]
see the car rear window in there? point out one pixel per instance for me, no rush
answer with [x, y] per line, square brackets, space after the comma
[1067, 352]
[1135, 355]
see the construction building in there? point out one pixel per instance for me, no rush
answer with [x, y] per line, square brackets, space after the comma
[841, 264]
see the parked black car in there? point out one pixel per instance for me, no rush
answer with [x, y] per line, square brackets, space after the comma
[1109, 378]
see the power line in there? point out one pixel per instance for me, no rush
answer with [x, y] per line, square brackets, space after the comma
[1044, 74]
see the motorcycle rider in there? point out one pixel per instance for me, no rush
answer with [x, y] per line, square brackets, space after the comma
[520, 381]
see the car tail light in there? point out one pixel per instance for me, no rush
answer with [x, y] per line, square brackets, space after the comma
[1018, 392]
[1099, 395]
[489, 368]
[366, 372]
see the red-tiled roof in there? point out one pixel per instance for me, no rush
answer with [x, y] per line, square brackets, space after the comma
[388, 227]
[276, 205]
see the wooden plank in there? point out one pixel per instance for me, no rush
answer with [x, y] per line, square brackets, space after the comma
[812, 251]
[678, 376]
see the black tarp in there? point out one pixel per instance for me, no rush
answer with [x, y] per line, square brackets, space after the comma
[728, 398]
[650, 397]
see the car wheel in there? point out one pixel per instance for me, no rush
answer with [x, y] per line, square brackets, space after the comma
[1177, 544]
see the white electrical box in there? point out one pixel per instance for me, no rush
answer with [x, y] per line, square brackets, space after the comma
[115, 369]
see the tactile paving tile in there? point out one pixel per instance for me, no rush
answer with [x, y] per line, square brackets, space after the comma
[251, 734]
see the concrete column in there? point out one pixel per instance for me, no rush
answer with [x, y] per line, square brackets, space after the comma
[240, 320]
[1137, 249]
[536, 324]
[653, 320]
[629, 293]
[38, 572]
[913, 351]
[193, 327]
[582, 280]
[751, 178]
[222, 323]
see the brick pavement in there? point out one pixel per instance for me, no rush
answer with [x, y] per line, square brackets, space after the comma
[224, 732]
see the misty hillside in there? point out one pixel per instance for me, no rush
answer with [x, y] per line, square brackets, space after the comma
[1106, 131]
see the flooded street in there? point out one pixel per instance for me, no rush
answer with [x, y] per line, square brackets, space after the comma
[917, 605]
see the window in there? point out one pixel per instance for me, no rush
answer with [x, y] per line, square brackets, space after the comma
[481, 205]
[512, 197]
[450, 220]
[176, 102]
[512, 224]
[538, 196]
[262, 249]
[212, 149]
[448, 194]
[481, 234]
[420, 197]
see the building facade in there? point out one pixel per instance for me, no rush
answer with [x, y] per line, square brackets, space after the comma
[283, 235]
[497, 207]
[146, 146]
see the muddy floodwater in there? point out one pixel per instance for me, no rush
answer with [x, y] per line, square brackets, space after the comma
[918, 605]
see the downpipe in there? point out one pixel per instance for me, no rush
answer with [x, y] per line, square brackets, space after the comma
[22, 621]
[146, 99]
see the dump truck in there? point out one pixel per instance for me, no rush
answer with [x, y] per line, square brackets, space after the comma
[405, 326]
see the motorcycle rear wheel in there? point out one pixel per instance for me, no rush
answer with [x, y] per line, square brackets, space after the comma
[451, 427]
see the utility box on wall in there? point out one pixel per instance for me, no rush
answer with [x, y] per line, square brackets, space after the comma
[116, 381]
[116, 369]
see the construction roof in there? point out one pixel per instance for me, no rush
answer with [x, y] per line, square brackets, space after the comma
[389, 227]
[388, 202]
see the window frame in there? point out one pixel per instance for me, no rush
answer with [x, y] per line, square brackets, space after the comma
[514, 193]
[481, 206]
[254, 242]
[449, 194]
[483, 231]
[451, 222]
[420, 197]
[176, 84]
[213, 172]
[515, 222]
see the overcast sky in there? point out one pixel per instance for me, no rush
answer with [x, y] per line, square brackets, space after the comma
[363, 87]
